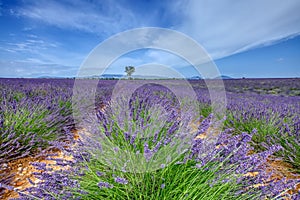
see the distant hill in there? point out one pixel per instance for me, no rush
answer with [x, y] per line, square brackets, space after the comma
[103, 76]
[195, 78]
[148, 77]
[50, 77]
[111, 76]
[224, 77]
[218, 77]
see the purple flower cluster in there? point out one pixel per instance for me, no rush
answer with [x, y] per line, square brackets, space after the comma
[102, 185]
[121, 180]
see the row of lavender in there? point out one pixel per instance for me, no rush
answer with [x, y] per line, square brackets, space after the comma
[32, 113]
[218, 172]
[275, 117]
[276, 120]
[275, 86]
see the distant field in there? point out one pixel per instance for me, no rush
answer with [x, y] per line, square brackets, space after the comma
[255, 154]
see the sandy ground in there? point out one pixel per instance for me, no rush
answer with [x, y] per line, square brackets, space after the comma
[23, 170]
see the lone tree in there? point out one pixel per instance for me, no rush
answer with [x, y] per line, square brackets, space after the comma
[129, 70]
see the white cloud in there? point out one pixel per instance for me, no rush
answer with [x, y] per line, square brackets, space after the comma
[33, 56]
[279, 59]
[32, 36]
[228, 27]
[35, 68]
[41, 51]
[105, 18]
[157, 70]
[30, 45]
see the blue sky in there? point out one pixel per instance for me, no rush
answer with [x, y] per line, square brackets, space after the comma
[245, 38]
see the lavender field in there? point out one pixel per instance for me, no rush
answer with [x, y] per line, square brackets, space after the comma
[45, 154]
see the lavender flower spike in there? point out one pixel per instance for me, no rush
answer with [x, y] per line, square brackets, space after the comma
[102, 185]
[121, 180]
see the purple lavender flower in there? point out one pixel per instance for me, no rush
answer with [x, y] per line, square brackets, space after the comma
[121, 180]
[39, 165]
[99, 173]
[103, 185]
[148, 153]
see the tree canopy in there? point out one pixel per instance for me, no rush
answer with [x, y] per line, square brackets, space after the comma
[129, 70]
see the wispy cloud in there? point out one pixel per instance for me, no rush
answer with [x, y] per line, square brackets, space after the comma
[279, 59]
[42, 49]
[106, 17]
[32, 45]
[33, 56]
[228, 27]
[35, 68]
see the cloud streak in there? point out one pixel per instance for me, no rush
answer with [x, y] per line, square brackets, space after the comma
[105, 18]
[34, 68]
[228, 27]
